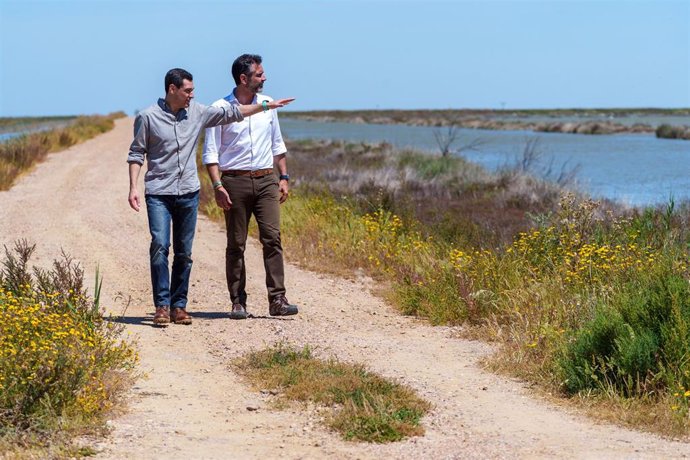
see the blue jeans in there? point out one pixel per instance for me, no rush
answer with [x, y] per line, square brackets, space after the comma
[181, 211]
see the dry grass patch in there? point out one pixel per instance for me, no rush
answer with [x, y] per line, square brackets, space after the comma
[363, 406]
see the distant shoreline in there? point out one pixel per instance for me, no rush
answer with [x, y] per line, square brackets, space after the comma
[590, 121]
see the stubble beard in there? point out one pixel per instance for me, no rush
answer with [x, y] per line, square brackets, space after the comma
[258, 89]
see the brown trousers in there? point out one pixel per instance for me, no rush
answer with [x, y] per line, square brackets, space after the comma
[258, 196]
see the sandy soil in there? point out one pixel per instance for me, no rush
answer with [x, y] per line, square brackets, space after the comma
[190, 403]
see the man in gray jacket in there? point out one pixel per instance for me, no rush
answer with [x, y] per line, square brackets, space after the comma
[166, 136]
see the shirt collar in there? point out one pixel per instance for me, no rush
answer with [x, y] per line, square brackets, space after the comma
[166, 108]
[232, 98]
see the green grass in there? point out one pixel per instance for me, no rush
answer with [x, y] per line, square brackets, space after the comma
[361, 406]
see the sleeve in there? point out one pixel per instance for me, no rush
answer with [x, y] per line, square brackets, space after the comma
[212, 143]
[214, 115]
[277, 144]
[137, 151]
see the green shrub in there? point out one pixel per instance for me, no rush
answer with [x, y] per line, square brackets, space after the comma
[633, 343]
[584, 365]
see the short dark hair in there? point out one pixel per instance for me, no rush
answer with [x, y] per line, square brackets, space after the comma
[243, 65]
[175, 77]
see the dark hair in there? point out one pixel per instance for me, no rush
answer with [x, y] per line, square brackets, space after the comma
[243, 64]
[175, 77]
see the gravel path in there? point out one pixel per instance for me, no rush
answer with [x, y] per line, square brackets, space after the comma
[190, 404]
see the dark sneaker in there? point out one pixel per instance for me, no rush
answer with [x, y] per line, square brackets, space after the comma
[162, 316]
[179, 315]
[280, 306]
[239, 311]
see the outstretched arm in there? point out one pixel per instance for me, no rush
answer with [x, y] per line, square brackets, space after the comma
[215, 116]
[252, 109]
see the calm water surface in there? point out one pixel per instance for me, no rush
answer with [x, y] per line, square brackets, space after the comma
[7, 136]
[31, 128]
[636, 169]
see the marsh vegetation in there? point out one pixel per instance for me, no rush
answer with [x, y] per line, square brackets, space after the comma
[586, 299]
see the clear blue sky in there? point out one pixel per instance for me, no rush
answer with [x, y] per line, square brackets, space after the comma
[82, 57]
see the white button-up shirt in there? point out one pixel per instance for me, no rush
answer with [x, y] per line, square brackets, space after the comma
[249, 144]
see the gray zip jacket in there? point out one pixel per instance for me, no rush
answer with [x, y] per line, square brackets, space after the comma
[168, 143]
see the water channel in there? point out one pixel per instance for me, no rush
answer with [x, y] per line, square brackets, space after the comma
[635, 169]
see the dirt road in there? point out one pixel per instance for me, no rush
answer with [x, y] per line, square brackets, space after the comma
[191, 405]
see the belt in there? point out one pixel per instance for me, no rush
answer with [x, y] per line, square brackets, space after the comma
[246, 172]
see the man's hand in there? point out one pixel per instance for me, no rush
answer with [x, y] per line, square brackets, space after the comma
[134, 169]
[284, 190]
[280, 103]
[134, 199]
[223, 199]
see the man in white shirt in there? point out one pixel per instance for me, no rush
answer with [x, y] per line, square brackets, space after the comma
[240, 159]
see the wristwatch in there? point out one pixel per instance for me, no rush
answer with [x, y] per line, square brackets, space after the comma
[285, 177]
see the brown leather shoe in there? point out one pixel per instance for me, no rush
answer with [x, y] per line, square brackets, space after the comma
[239, 311]
[280, 306]
[162, 316]
[179, 315]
